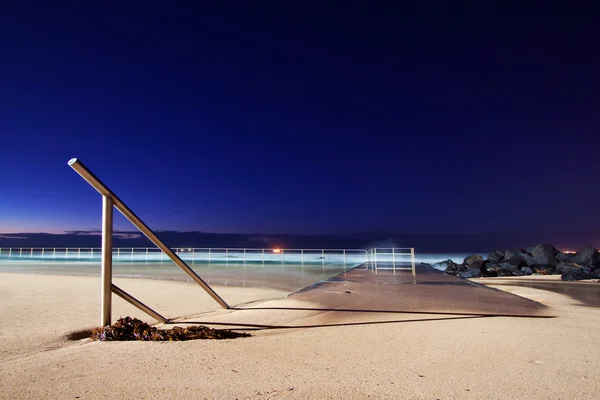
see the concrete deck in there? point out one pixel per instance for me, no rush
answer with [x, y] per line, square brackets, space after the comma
[365, 296]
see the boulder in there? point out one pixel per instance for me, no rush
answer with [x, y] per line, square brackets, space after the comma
[570, 273]
[562, 266]
[490, 269]
[507, 269]
[472, 272]
[456, 269]
[526, 271]
[474, 261]
[595, 274]
[514, 260]
[495, 256]
[544, 254]
[513, 252]
[542, 269]
[565, 257]
[588, 257]
[529, 259]
[529, 250]
[443, 265]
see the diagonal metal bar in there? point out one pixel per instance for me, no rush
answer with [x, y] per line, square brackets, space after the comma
[132, 300]
[97, 184]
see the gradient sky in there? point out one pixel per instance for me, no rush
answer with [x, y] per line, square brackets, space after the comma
[304, 119]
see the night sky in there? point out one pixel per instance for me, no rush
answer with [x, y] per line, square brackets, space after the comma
[304, 118]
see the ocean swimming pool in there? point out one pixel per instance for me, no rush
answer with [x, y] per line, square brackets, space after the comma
[288, 270]
[285, 269]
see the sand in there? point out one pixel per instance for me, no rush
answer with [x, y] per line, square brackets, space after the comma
[364, 355]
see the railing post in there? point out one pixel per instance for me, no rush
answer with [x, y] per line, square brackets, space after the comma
[244, 256]
[412, 256]
[107, 232]
[302, 255]
[209, 256]
[263, 256]
[375, 259]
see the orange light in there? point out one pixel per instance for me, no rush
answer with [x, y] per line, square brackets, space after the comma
[276, 250]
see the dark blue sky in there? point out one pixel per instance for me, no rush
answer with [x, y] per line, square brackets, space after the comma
[310, 119]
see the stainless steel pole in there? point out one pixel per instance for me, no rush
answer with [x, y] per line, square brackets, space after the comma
[132, 300]
[86, 174]
[107, 233]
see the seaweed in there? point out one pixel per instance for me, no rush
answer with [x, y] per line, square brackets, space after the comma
[133, 329]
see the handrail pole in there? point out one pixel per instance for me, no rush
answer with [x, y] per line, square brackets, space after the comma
[86, 174]
[107, 233]
[135, 302]
[412, 256]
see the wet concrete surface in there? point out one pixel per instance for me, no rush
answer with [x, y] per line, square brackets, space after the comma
[586, 293]
[367, 289]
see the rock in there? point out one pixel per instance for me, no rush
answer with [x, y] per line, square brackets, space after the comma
[529, 250]
[455, 269]
[588, 257]
[472, 272]
[570, 273]
[495, 256]
[526, 271]
[490, 269]
[562, 266]
[529, 259]
[595, 274]
[507, 269]
[514, 260]
[542, 269]
[544, 254]
[565, 257]
[511, 253]
[473, 261]
[443, 265]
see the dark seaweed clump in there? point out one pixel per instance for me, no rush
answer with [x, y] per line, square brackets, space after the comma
[133, 329]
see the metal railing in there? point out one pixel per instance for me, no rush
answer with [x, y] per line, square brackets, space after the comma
[106, 254]
[193, 255]
[109, 202]
[393, 258]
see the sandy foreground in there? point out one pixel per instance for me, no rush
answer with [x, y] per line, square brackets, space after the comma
[363, 355]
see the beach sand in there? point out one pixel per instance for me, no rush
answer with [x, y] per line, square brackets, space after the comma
[363, 355]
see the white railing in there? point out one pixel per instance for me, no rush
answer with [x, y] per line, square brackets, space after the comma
[193, 255]
[392, 258]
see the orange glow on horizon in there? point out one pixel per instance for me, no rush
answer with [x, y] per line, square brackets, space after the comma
[276, 250]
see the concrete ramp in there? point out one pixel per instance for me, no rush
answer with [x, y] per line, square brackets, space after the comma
[365, 296]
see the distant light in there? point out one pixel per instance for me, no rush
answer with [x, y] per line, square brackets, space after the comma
[276, 250]
[569, 252]
[189, 249]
